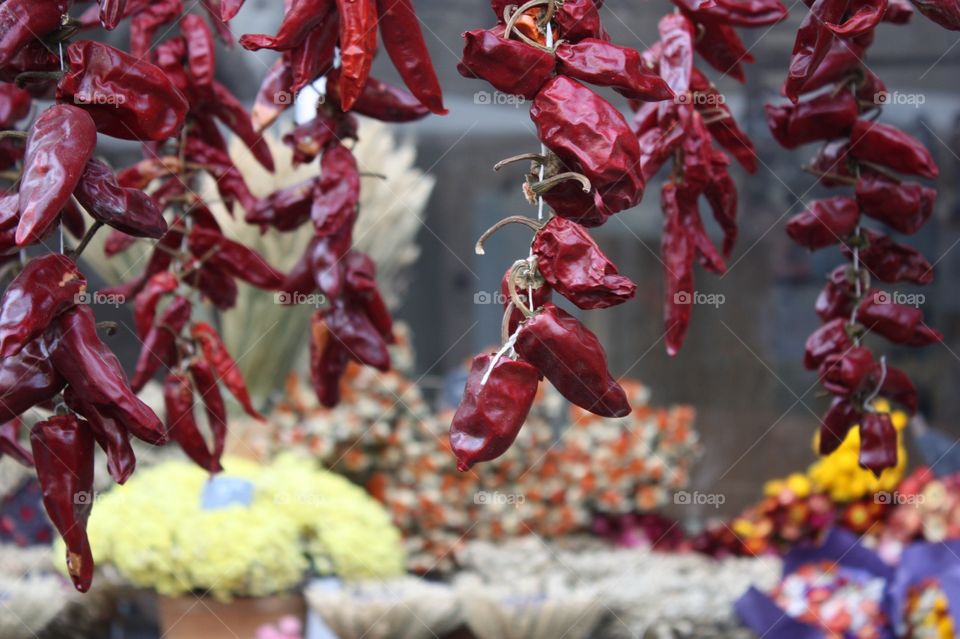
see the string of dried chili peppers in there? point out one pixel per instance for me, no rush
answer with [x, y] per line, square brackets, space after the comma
[834, 102]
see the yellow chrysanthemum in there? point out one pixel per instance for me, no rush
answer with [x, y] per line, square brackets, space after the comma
[156, 533]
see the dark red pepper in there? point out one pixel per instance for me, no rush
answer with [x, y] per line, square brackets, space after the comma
[893, 262]
[216, 354]
[182, 425]
[27, 379]
[237, 259]
[829, 339]
[328, 362]
[888, 146]
[827, 222]
[678, 251]
[837, 422]
[23, 22]
[109, 434]
[337, 192]
[825, 117]
[10, 443]
[878, 443]
[609, 65]
[206, 384]
[160, 348]
[358, 44]
[847, 373]
[128, 210]
[510, 66]
[903, 206]
[403, 40]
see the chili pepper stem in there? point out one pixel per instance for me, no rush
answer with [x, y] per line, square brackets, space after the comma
[513, 219]
[77, 252]
[535, 157]
[836, 177]
[545, 185]
[24, 77]
[12, 133]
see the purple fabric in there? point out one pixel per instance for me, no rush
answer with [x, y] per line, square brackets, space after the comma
[761, 614]
[924, 560]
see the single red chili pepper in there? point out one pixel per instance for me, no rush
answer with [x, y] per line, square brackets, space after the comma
[837, 297]
[571, 357]
[111, 12]
[898, 323]
[721, 195]
[127, 97]
[898, 12]
[315, 57]
[215, 283]
[235, 258]
[847, 373]
[493, 409]
[755, 13]
[903, 206]
[285, 209]
[878, 443]
[893, 262]
[310, 139]
[509, 66]
[722, 49]
[361, 283]
[301, 17]
[325, 259]
[843, 61]
[27, 379]
[828, 221]
[216, 354]
[14, 104]
[348, 324]
[337, 192]
[609, 65]
[147, 20]
[574, 266]
[896, 386]
[677, 249]
[579, 19]
[201, 55]
[946, 13]
[812, 44]
[217, 162]
[160, 343]
[59, 144]
[358, 44]
[862, 17]
[109, 434]
[63, 449]
[403, 40]
[128, 210]
[825, 117]
[94, 371]
[206, 384]
[328, 362]
[26, 21]
[676, 58]
[230, 8]
[274, 97]
[46, 287]
[230, 111]
[836, 423]
[182, 425]
[889, 146]
[584, 129]
[379, 100]
[829, 339]
[10, 443]
[145, 304]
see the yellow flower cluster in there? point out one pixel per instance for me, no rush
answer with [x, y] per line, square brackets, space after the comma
[839, 474]
[156, 533]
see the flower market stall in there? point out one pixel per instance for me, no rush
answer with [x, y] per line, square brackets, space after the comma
[299, 341]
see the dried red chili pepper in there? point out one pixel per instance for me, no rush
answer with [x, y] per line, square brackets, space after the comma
[300, 18]
[63, 451]
[755, 13]
[889, 146]
[609, 65]
[316, 56]
[94, 371]
[109, 434]
[274, 96]
[403, 40]
[128, 210]
[361, 283]
[230, 8]
[829, 339]
[493, 409]
[510, 66]
[358, 44]
[579, 19]
[14, 104]
[216, 284]
[573, 265]
[540, 296]
[897, 322]
[349, 325]
[111, 12]
[217, 162]
[46, 287]
[216, 354]
[60, 142]
[25, 21]
[205, 382]
[862, 17]
[878, 443]
[27, 379]
[228, 109]
[836, 423]
[201, 56]
[147, 20]
[722, 49]
[676, 58]
[160, 343]
[10, 443]
[845, 374]
[824, 117]
[127, 97]
[677, 249]
[584, 129]
[837, 297]
[812, 44]
[328, 362]
[946, 13]
[893, 262]
[571, 357]
[310, 139]
[285, 209]
[827, 222]
[237, 259]
[903, 206]
[337, 192]
[379, 100]
[182, 425]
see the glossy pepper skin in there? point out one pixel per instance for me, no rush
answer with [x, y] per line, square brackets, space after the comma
[127, 97]
[878, 443]
[160, 343]
[847, 373]
[228, 109]
[128, 210]
[893, 262]
[328, 362]
[903, 206]
[565, 352]
[829, 339]
[824, 117]
[609, 65]
[301, 17]
[898, 323]
[109, 434]
[574, 266]
[836, 423]
[336, 193]
[182, 424]
[205, 381]
[812, 44]
[358, 44]
[235, 258]
[25, 21]
[379, 100]
[46, 287]
[10, 444]
[889, 146]
[285, 209]
[95, 372]
[678, 251]
[828, 221]
[145, 304]
[63, 452]
[403, 40]
[58, 146]
[946, 13]
[216, 354]
[585, 130]
[540, 296]
[27, 379]
[510, 66]
[491, 414]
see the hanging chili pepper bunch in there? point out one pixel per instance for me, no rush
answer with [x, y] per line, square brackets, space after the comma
[334, 41]
[861, 153]
[588, 169]
[687, 131]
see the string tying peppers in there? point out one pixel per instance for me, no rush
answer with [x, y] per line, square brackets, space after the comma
[861, 153]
